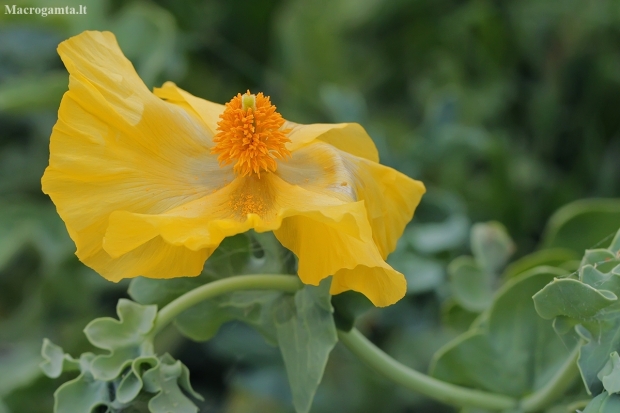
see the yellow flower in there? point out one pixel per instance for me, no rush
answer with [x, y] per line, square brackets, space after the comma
[150, 183]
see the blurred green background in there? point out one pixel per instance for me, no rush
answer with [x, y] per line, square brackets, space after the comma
[506, 110]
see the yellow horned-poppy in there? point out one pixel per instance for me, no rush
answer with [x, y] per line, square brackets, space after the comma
[150, 183]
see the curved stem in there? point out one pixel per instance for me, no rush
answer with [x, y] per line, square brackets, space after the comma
[555, 387]
[373, 356]
[278, 282]
[421, 383]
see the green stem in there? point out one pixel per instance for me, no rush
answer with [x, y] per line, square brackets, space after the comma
[555, 387]
[278, 282]
[421, 383]
[456, 395]
[373, 356]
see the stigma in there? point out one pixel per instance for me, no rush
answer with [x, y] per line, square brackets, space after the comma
[249, 133]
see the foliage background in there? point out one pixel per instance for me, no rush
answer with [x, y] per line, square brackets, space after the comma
[506, 110]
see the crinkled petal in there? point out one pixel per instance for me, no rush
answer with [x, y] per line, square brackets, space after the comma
[319, 167]
[324, 249]
[203, 223]
[199, 224]
[349, 137]
[379, 282]
[117, 147]
[330, 234]
[208, 111]
[390, 196]
[155, 259]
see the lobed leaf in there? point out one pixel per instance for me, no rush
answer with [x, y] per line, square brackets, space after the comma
[585, 311]
[84, 393]
[166, 377]
[604, 403]
[56, 361]
[125, 339]
[255, 308]
[571, 298]
[602, 259]
[168, 380]
[514, 352]
[132, 383]
[610, 374]
[306, 335]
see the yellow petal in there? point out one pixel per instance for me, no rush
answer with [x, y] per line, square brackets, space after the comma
[390, 196]
[380, 283]
[349, 137]
[154, 259]
[320, 168]
[324, 249]
[203, 223]
[133, 178]
[95, 60]
[117, 147]
[196, 225]
[208, 111]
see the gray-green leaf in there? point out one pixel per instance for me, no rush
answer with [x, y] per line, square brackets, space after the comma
[56, 361]
[491, 246]
[167, 380]
[306, 334]
[514, 352]
[610, 374]
[125, 339]
[82, 394]
[471, 286]
[604, 403]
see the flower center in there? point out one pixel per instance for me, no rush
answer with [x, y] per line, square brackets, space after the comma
[249, 134]
[253, 196]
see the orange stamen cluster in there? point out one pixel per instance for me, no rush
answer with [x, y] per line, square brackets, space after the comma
[251, 136]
